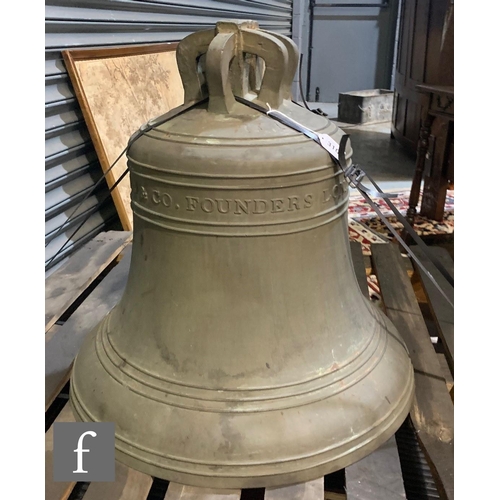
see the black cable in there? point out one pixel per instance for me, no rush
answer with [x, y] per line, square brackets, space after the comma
[145, 128]
[300, 84]
[99, 205]
[312, 4]
[318, 111]
[157, 121]
[91, 191]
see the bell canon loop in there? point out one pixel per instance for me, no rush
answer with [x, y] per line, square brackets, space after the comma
[242, 353]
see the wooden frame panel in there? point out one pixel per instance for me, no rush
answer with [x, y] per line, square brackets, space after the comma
[119, 89]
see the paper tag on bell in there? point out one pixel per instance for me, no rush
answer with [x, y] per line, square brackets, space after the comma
[329, 144]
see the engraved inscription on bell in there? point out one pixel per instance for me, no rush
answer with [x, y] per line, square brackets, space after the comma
[234, 206]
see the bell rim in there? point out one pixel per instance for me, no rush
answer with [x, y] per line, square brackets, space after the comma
[299, 472]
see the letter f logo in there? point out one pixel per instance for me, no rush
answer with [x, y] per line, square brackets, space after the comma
[79, 451]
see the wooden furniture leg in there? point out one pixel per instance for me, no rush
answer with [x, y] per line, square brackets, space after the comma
[423, 146]
[436, 181]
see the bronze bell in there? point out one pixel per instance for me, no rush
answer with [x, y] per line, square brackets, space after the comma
[242, 353]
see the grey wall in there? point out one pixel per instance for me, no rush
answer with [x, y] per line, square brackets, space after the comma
[353, 47]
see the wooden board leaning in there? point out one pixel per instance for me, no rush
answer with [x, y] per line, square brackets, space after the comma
[141, 82]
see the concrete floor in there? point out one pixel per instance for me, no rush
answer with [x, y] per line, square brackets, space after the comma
[383, 158]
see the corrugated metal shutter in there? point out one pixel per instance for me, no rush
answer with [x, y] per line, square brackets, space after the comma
[71, 164]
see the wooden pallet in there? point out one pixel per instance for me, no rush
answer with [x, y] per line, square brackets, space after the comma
[82, 292]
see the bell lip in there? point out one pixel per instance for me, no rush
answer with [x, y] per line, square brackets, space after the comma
[271, 398]
[296, 472]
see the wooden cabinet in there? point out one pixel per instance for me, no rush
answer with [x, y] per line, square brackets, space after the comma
[434, 152]
[422, 118]
[425, 56]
